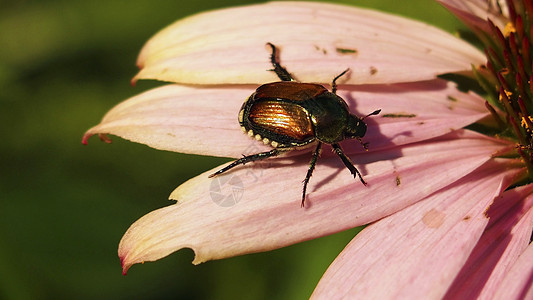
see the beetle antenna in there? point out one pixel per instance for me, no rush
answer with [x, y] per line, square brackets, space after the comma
[376, 112]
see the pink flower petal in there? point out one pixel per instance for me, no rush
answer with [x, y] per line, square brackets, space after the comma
[246, 210]
[518, 282]
[182, 119]
[505, 238]
[204, 120]
[416, 253]
[317, 42]
[475, 13]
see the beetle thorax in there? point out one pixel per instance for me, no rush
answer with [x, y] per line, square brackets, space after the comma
[329, 116]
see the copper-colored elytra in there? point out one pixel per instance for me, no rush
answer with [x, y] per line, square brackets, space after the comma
[295, 91]
[282, 118]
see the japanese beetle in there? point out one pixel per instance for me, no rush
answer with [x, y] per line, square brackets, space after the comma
[291, 115]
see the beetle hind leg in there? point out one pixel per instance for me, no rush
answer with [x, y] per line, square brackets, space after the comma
[312, 165]
[282, 73]
[347, 162]
[248, 158]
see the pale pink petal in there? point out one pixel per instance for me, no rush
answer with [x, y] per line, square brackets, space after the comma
[416, 253]
[317, 42]
[518, 284]
[505, 238]
[246, 210]
[181, 118]
[475, 13]
[204, 120]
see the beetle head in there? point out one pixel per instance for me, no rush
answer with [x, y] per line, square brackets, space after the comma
[355, 128]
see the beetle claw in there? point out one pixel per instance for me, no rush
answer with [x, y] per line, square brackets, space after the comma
[364, 144]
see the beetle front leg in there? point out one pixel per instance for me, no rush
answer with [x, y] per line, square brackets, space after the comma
[282, 73]
[310, 170]
[334, 82]
[347, 162]
[248, 158]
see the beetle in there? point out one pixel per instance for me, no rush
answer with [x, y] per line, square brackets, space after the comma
[290, 115]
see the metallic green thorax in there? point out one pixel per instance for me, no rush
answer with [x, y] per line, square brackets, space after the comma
[331, 119]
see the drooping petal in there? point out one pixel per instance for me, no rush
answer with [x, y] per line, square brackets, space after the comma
[204, 120]
[518, 282]
[180, 118]
[505, 238]
[246, 210]
[475, 13]
[317, 42]
[416, 253]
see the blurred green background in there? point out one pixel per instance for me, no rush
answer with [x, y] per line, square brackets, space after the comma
[64, 206]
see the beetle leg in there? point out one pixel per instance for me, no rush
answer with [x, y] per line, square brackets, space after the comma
[282, 73]
[310, 170]
[248, 158]
[334, 83]
[347, 162]
[364, 144]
